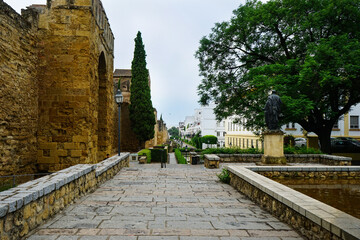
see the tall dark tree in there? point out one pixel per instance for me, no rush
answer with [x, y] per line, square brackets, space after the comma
[306, 50]
[142, 115]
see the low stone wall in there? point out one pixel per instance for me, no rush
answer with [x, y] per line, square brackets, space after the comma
[312, 218]
[240, 157]
[323, 172]
[28, 205]
[318, 158]
[211, 161]
[290, 158]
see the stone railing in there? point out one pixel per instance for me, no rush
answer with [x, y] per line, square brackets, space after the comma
[240, 157]
[28, 205]
[313, 219]
[211, 161]
[290, 158]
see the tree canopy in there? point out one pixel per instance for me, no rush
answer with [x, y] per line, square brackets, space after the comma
[142, 115]
[306, 50]
[174, 132]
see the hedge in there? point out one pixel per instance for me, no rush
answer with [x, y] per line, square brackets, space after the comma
[147, 153]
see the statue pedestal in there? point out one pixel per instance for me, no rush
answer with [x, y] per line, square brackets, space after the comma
[273, 148]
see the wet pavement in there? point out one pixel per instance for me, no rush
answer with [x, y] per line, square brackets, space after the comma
[182, 202]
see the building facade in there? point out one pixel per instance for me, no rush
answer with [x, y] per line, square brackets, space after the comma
[238, 136]
[204, 121]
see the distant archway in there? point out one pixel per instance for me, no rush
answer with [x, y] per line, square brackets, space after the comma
[102, 109]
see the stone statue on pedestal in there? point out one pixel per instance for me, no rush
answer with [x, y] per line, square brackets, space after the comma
[272, 111]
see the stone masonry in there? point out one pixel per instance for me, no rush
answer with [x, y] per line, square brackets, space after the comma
[146, 202]
[18, 93]
[56, 104]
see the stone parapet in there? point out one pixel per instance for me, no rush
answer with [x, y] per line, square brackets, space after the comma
[323, 172]
[26, 206]
[211, 161]
[240, 157]
[290, 158]
[313, 219]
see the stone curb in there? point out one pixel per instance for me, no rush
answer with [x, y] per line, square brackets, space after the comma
[17, 197]
[109, 163]
[333, 220]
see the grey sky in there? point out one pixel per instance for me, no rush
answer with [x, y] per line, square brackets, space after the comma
[171, 31]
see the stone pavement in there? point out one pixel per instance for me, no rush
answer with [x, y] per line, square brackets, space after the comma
[145, 202]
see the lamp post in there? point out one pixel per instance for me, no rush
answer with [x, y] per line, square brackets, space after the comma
[119, 99]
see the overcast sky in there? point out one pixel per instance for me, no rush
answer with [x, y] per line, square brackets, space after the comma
[171, 31]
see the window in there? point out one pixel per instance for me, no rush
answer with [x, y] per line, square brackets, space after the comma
[354, 122]
[336, 125]
[218, 134]
[224, 134]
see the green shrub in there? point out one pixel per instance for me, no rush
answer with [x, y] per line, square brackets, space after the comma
[179, 157]
[209, 139]
[224, 176]
[157, 154]
[301, 150]
[147, 153]
[231, 151]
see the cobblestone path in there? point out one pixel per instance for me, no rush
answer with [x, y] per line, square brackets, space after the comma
[145, 202]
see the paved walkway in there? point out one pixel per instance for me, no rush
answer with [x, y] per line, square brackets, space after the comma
[145, 202]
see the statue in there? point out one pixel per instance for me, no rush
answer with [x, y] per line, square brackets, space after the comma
[272, 111]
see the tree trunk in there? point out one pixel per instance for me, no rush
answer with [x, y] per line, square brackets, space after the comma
[325, 142]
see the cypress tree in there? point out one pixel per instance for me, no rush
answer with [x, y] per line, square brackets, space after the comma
[142, 115]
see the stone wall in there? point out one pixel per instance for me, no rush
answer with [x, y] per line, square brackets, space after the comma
[75, 85]
[18, 93]
[27, 206]
[313, 219]
[57, 100]
[290, 158]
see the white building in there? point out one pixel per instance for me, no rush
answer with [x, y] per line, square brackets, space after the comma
[238, 136]
[204, 121]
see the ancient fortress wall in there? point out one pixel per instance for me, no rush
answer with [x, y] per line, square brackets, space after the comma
[57, 85]
[18, 93]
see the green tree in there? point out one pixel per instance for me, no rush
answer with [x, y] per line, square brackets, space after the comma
[142, 115]
[174, 132]
[306, 50]
[209, 139]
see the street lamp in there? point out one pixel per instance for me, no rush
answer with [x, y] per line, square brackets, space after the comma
[119, 99]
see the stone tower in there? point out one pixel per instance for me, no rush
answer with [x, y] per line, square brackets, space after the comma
[75, 84]
[57, 100]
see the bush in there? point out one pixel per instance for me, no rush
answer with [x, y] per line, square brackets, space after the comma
[302, 150]
[224, 176]
[232, 151]
[209, 139]
[179, 157]
[158, 154]
[147, 153]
